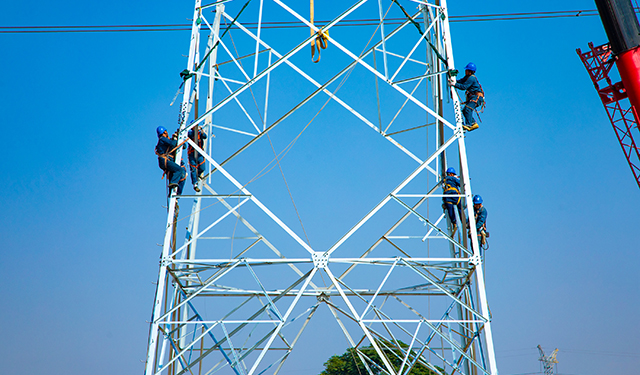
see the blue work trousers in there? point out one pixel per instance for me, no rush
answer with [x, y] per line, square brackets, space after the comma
[196, 163]
[469, 107]
[450, 204]
[176, 175]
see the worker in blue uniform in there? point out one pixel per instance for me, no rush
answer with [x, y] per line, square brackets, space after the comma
[196, 161]
[176, 174]
[451, 186]
[480, 214]
[474, 95]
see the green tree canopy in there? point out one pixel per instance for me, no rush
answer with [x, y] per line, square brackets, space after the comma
[349, 362]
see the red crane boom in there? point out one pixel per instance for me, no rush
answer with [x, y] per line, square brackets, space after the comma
[621, 100]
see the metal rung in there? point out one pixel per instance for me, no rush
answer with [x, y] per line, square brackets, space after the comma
[429, 195]
[228, 238]
[212, 196]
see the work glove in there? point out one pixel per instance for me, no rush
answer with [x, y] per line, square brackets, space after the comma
[452, 81]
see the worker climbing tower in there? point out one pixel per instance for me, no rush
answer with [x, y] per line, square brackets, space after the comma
[244, 287]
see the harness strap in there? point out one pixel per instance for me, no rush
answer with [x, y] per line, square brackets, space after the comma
[190, 150]
[448, 187]
[477, 94]
[164, 170]
[451, 203]
[164, 156]
[184, 174]
[481, 90]
[196, 165]
[480, 94]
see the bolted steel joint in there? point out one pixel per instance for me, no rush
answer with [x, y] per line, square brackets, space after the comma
[320, 259]
[323, 297]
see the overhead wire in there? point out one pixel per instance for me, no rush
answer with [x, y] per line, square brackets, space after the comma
[528, 352]
[284, 25]
[293, 24]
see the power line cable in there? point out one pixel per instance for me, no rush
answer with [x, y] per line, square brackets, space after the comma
[292, 24]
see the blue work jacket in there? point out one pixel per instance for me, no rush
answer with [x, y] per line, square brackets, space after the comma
[470, 84]
[451, 185]
[200, 141]
[165, 145]
[481, 217]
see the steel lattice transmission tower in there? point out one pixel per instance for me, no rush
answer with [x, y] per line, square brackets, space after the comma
[239, 288]
[548, 361]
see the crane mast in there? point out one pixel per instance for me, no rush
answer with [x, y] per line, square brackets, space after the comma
[620, 97]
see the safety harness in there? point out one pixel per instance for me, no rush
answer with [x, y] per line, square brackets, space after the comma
[197, 140]
[164, 157]
[451, 188]
[448, 187]
[482, 232]
[479, 98]
[169, 155]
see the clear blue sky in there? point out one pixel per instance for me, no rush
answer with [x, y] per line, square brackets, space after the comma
[82, 195]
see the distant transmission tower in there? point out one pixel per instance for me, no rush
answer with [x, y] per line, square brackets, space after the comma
[548, 361]
[238, 288]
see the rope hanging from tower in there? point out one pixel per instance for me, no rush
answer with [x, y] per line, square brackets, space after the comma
[321, 39]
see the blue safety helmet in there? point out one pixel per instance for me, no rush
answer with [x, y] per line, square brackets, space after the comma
[477, 199]
[470, 66]
[160, 130]
[451, 170]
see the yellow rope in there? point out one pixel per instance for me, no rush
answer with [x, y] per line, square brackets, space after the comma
[321, 39]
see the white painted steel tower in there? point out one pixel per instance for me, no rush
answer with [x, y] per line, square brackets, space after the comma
[242, 288]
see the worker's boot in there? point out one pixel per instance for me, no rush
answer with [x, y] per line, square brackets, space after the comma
[453, 231]
[473, 127]
[466, 127]
[196, 188]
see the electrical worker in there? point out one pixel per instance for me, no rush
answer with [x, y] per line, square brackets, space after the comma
[451, 186]
[474, 95]
[480, 213]
[196, 161]
[176, 174]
